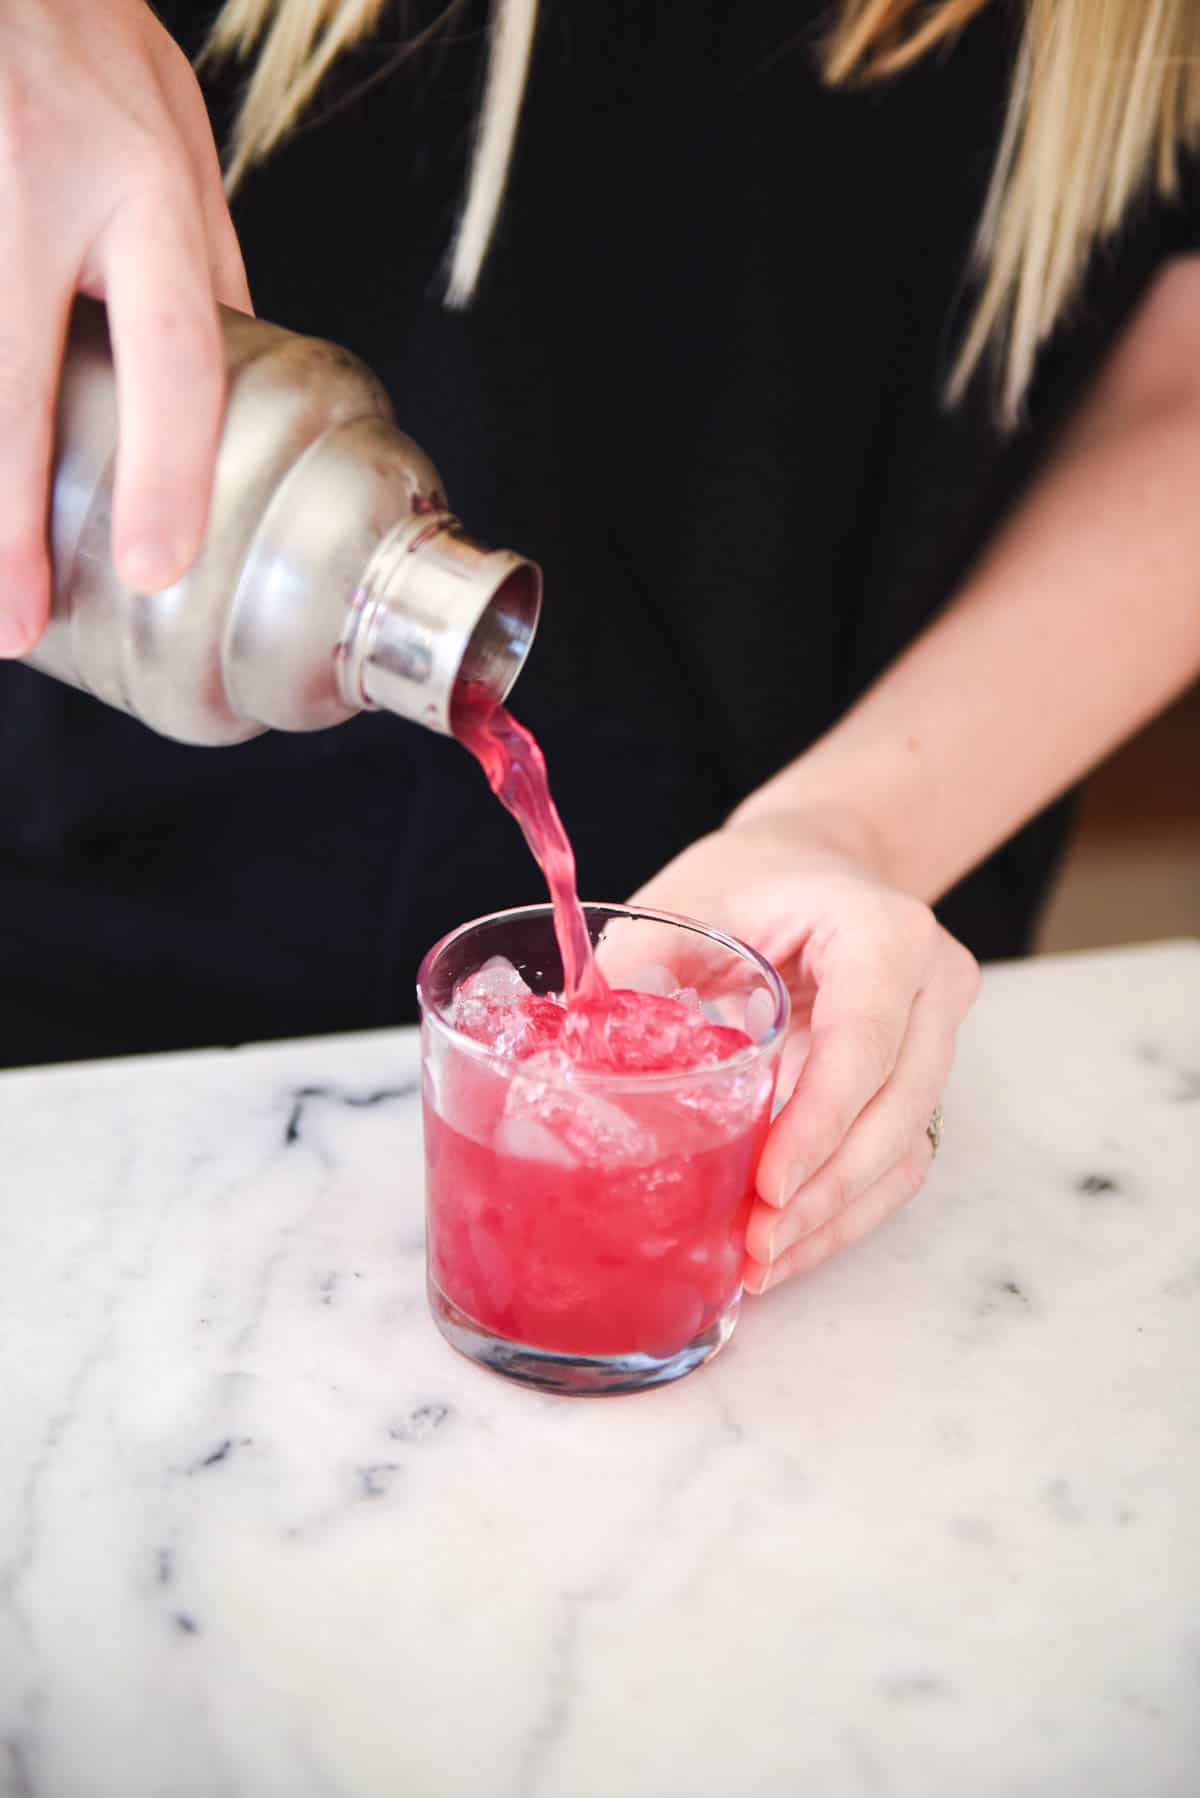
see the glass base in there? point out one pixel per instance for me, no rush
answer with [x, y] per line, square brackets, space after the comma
[582, 1375]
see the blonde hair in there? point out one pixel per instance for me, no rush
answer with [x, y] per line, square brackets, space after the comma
[1103, 98]
[298, 41]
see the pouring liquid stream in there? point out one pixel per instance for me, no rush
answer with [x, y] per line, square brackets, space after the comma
[515, 767]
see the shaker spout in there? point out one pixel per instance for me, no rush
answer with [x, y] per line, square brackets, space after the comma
[437, 610]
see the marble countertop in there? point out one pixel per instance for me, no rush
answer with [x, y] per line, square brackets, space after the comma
[931, 1525]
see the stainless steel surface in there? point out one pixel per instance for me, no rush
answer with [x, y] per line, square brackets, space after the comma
[420, 625]
[332, 576]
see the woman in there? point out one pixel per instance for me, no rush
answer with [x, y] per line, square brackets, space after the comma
[825, 641]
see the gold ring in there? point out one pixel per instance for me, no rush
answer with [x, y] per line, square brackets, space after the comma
[933, 1129]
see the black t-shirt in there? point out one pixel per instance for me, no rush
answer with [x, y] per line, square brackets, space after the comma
[700, 385]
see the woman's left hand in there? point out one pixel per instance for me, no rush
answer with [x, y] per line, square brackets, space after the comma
[878, 992]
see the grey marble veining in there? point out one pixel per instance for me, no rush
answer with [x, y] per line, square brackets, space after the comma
[930, 1525]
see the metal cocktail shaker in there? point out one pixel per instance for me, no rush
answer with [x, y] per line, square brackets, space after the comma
[332, 578]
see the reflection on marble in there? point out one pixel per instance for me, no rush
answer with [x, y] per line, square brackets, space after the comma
[929, 1526]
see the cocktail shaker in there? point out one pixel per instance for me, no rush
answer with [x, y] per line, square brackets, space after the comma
[332, 578]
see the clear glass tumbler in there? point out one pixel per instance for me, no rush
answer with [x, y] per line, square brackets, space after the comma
[586, 1230]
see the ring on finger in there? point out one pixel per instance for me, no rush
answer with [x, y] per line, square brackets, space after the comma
[933, 1130]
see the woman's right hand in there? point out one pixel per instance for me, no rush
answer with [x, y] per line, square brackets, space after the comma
[110, 186]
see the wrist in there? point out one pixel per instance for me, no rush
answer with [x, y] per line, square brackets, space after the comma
[840, 829]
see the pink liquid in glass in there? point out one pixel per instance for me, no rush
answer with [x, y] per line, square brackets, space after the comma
[589, 1259]
[571, 1208]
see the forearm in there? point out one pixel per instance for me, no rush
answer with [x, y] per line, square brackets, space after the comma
[1080, 622]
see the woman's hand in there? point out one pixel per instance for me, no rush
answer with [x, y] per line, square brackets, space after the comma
[878, 991]
[109, 186]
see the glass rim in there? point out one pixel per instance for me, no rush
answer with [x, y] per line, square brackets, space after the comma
[741, 1058]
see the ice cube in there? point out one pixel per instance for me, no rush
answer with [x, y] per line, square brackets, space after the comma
[686, 995]
[494, 1270]
[545, 1067]
[534, 1027]
[527, 1139]
[653, 978]
[496, 1007]
[645, 1033]
[485, 999]
[469, 1094]
[592, 1128]
[498, 981]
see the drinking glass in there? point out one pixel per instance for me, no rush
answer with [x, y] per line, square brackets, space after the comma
[586, 1230]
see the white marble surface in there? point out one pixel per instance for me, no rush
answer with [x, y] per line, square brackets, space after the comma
[930, 1526]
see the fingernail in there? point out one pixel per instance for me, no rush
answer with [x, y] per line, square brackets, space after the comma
[785, 1236]
[773, 1276]
[149, 567]
[795, 1177]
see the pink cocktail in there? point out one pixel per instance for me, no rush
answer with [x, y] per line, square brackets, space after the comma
[590, 1166]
